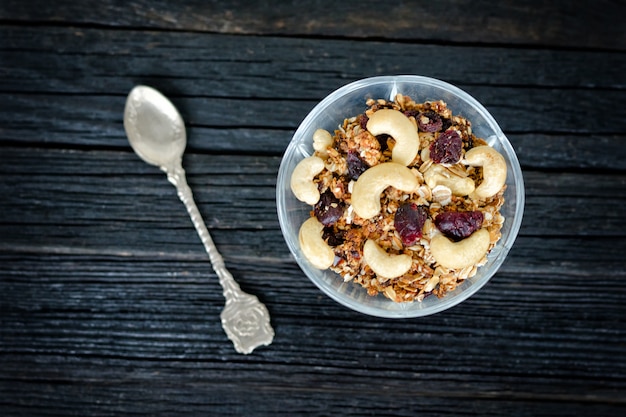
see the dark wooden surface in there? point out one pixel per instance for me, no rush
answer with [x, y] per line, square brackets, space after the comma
[108, 305]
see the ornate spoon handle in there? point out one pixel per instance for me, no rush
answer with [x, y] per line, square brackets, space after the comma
[245, 319]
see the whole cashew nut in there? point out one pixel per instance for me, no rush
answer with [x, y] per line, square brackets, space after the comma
[322, 139]
[494, 170]
[313, 247]
[302, 184]
[367, 189]
[439, 175]
[384, 264]
[398, 126]
[455, 255]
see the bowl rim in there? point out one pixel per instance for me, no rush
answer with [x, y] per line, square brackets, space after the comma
[449, 300]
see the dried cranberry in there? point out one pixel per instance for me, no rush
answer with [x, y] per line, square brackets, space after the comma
[429, 121]
[382, 140]
[458, 225]
[328, 209]
[356, 166]
[363, 119]
[334, 238]
[446, 149]
[445, 124]
[409, 113]
[409, 221]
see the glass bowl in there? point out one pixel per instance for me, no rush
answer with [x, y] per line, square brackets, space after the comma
[349, 101]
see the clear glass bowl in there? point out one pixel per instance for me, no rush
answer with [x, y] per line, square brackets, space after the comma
[349, 101]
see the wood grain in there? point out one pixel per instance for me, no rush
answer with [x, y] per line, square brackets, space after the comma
[236, 192]
[109, 306]
[84, 82]
[530, 115]
[156, 324]
[83, 60]
[583, 24]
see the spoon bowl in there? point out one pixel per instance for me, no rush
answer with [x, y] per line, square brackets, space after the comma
[155, 129]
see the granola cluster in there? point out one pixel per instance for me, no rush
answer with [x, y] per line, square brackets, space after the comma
[352, 149]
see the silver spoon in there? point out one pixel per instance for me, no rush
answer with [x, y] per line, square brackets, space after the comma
[156, 132]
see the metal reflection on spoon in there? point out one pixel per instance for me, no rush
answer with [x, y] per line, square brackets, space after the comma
[156, 132]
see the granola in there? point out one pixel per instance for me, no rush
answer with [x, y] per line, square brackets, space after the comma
[443, 176]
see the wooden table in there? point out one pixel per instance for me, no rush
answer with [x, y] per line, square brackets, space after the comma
[108, 304]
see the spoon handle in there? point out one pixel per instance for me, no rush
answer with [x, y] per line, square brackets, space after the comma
[245, 319]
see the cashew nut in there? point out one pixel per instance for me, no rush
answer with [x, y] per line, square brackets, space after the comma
[322, 139]
[384, 264]
[439, 175]
[456, 255]
[398, 126]
[302, 184]
[494, 170]
[314, 248]
[367, 189]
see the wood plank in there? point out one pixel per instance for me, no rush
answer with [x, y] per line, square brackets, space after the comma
[83, 60]
[100, 219]
[90, 120]
[199, 397]
[507, 22]
[96, 122]
[545, 136]
[599, 152]
[534, 111]
[143, 322]
[117, 202]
